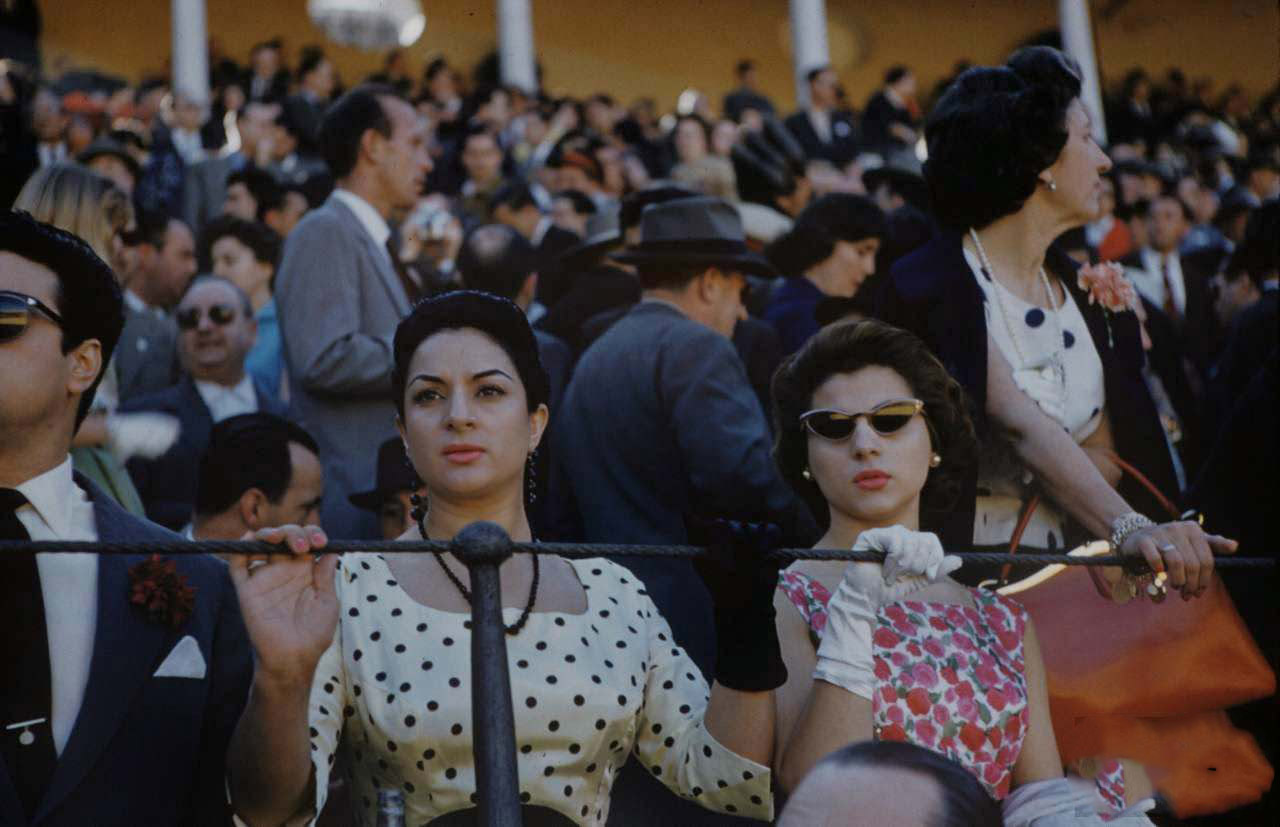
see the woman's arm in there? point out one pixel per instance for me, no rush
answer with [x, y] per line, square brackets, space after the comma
[742, 721]
[269, 760]
[833, 718]
[1100, 446]
[800, 659]
[1039, 758]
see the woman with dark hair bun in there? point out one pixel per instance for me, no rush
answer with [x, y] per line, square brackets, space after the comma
[371, 656]
[1047, 351]
[871, 431]
[830, 251]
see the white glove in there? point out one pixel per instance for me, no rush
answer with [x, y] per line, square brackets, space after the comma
[1041, 384]
[1066, 802]
[146, 435]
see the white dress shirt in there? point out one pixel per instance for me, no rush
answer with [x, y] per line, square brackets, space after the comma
[820, 119]
[1151, 284]
[57, 509]
[226, 401]
[50, 154]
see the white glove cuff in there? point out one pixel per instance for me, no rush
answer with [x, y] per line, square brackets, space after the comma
[844, 655]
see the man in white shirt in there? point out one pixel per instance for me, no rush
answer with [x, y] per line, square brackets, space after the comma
[68, 631]
[216, 331]
[823, 131]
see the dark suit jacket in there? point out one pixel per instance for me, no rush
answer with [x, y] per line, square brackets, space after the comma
[274, 92]
[148, 750]
[931, 293]
[1198, 330]
[741, 99]
[167, 484]
[146, 356]
[844, 137]
[598, 290]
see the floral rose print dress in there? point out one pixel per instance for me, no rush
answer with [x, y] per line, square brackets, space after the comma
[950, 678]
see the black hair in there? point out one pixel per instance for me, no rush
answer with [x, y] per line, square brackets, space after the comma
[475, 129]
[744, 66]
[964, 801]
[837, 216]
[346, 121]
[434, 68]
[1187, 214]
[150, 227]
[1258, 253]
[813, 73]
[494, 316]
[311, 57]
[696, 118]
[846, 347]
[514, 194]
[89, 299]
[247, 451]
[895, 74]
[496, 259]
[582, 203]
[258, 237]
[262, 185]
[993, 132]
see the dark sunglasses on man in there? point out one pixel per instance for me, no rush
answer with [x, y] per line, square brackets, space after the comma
[219, 314]
[16, 310]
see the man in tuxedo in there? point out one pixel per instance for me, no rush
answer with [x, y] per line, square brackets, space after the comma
[341, 292]
[86, 671]
[514, 204]
[216, 330]
[824, 132]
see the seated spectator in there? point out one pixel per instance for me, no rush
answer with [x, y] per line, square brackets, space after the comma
[254, 195]
[111, 160]
[258, 471]
[822, 129]
[570, 210]
[830, 251]
[769, 166]
[246, 254]
[891, 121]
[392, 492]
[482, 159]
[848, 788]
[514, 204]
[217, 330]
[289, 164]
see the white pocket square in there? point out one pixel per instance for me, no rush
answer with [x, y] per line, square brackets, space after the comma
[184, 661]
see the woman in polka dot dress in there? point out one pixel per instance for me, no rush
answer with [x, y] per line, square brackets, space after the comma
[371, 655]
[870, 430]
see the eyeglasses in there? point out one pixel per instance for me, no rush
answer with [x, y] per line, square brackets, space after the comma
[885, 419]
[219, 314]
[15, 314]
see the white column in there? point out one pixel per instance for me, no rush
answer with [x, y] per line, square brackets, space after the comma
[190, 50]
[1077, 41]
[808, 42]
[515, 44]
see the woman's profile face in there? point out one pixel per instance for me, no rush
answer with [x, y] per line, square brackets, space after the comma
[850, 263]
[466, 424]
[870, 478]
[1077, 174]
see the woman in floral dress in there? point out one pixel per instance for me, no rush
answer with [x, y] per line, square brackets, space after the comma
[872, 430]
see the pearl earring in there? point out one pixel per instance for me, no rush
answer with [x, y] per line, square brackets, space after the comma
[805, 473]
[1052, 185]
[935, 460]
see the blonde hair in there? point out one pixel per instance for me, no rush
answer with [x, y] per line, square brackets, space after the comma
[79, 201]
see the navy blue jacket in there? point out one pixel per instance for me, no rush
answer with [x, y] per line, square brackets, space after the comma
[931, 292]
[148, 750]
[167, 484]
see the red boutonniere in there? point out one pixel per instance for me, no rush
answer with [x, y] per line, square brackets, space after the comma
[1108, 288]
[163, 593]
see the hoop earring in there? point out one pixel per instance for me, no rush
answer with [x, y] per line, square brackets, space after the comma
[935, 460]
[531, 478]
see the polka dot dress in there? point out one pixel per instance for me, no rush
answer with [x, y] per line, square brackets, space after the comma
[394, 691]
[1085, 398]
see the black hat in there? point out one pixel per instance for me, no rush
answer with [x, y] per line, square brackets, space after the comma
[905, 183]
[394, 475]
[111, 148]
[700, 230]
[634, 203]
[603, 234]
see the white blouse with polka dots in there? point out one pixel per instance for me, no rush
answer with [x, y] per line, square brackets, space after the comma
[587, 689]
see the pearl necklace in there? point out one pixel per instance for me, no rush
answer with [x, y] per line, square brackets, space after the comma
[1056, 365]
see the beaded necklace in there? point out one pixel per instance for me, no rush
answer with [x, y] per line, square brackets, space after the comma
[1056, 367]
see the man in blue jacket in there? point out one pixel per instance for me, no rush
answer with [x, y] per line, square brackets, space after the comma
[123, 676]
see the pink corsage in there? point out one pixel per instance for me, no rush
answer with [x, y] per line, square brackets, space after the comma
[163, 594]
[1108, 288]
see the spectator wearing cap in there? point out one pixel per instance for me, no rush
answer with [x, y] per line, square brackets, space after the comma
[393, 488]
[259, 470]
[215, 320]
[824, 132]
[747, 95]
[515, 204]
[246, 253]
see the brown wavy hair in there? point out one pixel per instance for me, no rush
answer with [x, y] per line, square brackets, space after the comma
[847, 347]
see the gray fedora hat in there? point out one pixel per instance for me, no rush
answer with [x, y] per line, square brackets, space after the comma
[700, 230]
[603, 234]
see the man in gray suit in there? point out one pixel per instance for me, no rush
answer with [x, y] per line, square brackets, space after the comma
[341, 293]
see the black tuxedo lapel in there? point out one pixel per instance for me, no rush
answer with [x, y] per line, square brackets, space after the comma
[126, 649]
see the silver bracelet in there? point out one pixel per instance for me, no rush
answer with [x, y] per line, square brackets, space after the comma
[1126, 524]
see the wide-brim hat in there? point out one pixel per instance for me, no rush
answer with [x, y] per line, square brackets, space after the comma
[603, 234]
[393, 476]
[700, 231]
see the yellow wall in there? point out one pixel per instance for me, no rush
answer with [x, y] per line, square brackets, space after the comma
[659, 47]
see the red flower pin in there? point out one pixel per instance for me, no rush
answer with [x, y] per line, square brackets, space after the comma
[163, 593]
